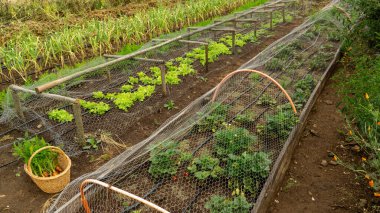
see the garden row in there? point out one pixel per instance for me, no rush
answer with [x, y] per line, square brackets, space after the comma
[28, 52]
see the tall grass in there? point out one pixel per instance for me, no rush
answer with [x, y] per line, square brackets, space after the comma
[70, 45]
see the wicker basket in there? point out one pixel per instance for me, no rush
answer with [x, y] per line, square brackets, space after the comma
[56, 183]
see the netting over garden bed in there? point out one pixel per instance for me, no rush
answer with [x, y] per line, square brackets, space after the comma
[127, 89]
[215, 155]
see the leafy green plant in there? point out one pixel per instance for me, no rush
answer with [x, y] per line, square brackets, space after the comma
[98, 95]
[266, 100]
[43, 164]
[280, 124]
[245, 171]
[214, 119]
[220, 204]
[166, 157]
[127, 88]
[215, 50]
[319, 61]
[132, 80]
[303, 90]
[145, 79]
[92, 143]
[60, 115]
[169, 105]
[205, 167]
[233, 140]
[3, 94]
[245, 118]
[95, 108]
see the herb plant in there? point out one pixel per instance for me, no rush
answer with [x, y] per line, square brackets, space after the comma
[205, 167]
[60, 115]
[98, 95]
[92, 143]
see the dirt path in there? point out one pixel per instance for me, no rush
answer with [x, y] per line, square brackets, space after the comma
[310, 186]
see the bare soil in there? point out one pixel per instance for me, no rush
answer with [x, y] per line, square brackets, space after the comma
[311, 187]
[14, 180]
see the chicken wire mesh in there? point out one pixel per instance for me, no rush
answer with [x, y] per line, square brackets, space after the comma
[108, 88]
[215, 155]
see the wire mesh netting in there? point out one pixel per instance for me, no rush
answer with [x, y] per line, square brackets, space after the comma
[215, 155]
[131, 90]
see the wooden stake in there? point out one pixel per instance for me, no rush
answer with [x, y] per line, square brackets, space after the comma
[271, 20]
[233, 43]
[163, 81]
[17, 104]
[79, 123]
[206, 57]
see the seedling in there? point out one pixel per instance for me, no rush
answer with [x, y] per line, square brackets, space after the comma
[169, 105]
[98, 95]
[92, 143]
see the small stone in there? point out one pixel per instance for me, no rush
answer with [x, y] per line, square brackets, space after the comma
[276, 201]
[355, 148]
[332, 162]
[362, 203]
[328, 102]
[310, 193]
[39, 126]
[312, 198]
[313, 132]
[330, 154]
[324, 163]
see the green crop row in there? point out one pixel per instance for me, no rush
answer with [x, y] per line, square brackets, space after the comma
[70, 45]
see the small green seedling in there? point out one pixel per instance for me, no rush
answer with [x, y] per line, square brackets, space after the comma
[169, 105]
[92, 143]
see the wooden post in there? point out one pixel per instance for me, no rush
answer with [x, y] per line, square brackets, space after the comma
[206, 57]
[17, 104]
[188, 38]
[271, 19]
[283, 14]
[108, 75]
[233, 42]
[79, 123]
[163, 81]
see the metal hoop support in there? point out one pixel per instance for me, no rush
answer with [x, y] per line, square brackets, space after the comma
[260, 73]
[108, 186]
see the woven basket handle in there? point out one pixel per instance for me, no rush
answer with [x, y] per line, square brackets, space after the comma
[53, 148]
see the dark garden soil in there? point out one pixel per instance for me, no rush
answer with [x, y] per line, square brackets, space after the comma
[19, 194]
[311, 185]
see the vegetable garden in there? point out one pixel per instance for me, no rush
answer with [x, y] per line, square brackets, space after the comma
[217, 154]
